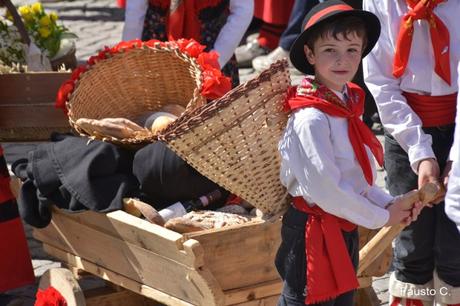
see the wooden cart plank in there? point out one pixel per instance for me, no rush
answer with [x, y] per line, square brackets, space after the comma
[114, 277]
[257, 292]
[250, 247]
[131, 260]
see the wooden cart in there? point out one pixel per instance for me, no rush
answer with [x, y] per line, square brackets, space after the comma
[232, 266]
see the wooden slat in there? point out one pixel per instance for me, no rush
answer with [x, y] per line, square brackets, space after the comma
[241, 256]
[114, 277]
[256, 292]
[124, 226]
[32, 116]
[268, 301]
[30, 88]
[131, 261]
[108, 297]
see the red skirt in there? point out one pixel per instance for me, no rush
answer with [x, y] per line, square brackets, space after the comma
[273, 11]
[15, 263]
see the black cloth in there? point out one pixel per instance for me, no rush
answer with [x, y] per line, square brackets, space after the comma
[165, 178]
[291, 261]
[432, 241]
[74, 175]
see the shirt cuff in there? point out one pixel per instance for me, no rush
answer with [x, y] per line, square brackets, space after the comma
[418, 153]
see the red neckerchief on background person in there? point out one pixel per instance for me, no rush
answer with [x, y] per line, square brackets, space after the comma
[183, 18]
[440, 40]
[330, 271]
[312, 94]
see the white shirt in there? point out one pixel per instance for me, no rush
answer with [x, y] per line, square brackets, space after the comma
[241, 12]
[419, 77]
[319, 164]
[453, 189]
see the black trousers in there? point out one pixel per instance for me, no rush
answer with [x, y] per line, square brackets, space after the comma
[291, 262]
[431, 242]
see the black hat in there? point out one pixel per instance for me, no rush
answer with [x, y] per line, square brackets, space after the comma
[326, 11]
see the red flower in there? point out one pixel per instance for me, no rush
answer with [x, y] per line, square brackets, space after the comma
[215, 85]
[151, 43]
[77, 71]
[190, 47]
[206, 59]
[63, 94]
[50, 297]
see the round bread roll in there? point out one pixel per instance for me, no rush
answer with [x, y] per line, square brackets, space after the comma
[160, 123]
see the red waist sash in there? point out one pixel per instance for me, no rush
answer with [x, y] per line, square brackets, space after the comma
[433, 110]
[330, 271]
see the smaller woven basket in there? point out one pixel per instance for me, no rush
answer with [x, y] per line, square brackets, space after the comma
[234, 140]
[132, 83]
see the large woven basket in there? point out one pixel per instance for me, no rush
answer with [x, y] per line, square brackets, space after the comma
[234, 140]
[129, 84]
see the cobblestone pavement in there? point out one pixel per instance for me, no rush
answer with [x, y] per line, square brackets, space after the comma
[99, 23]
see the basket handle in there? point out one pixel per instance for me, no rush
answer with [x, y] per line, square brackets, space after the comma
[17, 20]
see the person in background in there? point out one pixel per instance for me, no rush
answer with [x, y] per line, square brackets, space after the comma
[326, 161]
[453, 187]
[412, 75]
[15, 262]
[217, 24]
[271, 17]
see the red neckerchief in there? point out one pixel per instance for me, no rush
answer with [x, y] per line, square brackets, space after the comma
[330, 271]
[183, 20]
[312, 94]
[412, 302]
[439, 38]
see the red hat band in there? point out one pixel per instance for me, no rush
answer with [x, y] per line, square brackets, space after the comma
[317, 16]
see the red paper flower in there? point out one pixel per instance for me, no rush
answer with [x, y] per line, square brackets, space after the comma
[214, 84]
[49, 297]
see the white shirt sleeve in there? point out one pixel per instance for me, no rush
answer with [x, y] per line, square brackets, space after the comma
[134, 19]
[452, 202]
[232, 32]
[396, 115]
[314, 166]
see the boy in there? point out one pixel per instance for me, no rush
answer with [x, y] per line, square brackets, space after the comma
[412, 75]
[325, 164]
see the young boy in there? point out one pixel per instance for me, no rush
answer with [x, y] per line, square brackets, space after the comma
[326, 163]
[412, 75]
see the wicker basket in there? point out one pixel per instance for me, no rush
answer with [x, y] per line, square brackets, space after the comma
[130, 84]
[234, 140]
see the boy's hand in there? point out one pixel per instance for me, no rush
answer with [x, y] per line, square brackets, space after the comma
[428, 171]
[399, 215]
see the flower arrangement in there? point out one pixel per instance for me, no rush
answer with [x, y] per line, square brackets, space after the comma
[42, 28]
[214, 83]
[12, 50]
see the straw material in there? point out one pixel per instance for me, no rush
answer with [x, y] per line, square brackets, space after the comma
[129, 84]
[234, 140]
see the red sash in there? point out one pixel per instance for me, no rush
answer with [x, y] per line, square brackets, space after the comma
[423, 9]
[330, 271]
[433, 110]
[15, 263]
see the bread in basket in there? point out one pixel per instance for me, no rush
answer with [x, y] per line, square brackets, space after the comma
[134, 78]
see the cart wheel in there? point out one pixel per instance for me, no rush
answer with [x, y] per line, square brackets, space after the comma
[64, 282]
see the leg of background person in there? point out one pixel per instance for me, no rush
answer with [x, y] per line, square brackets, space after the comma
[299, 11]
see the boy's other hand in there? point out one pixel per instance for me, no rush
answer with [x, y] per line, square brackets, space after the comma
[400, 215]
[428, 171]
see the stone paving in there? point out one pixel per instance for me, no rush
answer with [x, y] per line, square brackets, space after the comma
[99, 23]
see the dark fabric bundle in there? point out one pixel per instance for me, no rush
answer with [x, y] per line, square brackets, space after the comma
[74, 175]
[165, 178]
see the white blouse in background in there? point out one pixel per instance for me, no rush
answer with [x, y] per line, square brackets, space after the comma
[419, 77]
[241, 12]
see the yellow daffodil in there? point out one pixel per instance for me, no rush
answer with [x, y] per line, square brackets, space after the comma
[44, 32]
[45, 21]
[37, 8]
[53, 16]
[24, 10]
